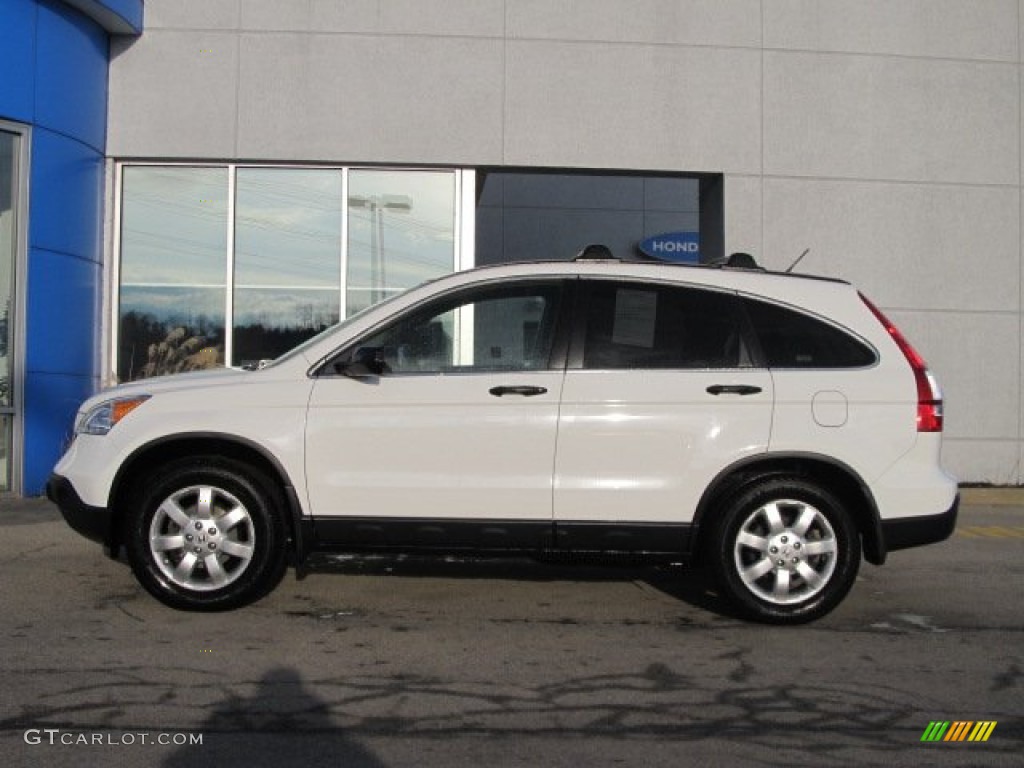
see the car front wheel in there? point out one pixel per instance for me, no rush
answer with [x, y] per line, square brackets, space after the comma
[786, 551]
[206, 534]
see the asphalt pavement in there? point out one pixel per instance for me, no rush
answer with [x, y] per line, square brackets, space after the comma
[392, 661]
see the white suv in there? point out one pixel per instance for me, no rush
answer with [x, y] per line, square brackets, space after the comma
[773, 425]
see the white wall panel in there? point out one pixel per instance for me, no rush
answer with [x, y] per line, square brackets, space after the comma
[172, 94]
[363, 99]
[628, 106]
[191, 14]
[963, 29]
[743, 208]
[687, 22]
[482, 18]
[887, 118]
[983, 461]
[912, 246]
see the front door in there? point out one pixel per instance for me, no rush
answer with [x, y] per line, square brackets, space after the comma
[449, 412]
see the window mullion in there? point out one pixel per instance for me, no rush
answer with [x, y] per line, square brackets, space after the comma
[343, 251]
[229, 284]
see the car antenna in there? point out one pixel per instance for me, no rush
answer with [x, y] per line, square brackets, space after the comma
[798, 260]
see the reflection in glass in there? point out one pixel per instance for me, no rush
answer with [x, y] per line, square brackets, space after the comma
[8, 243]
[524, 216]
[287, 259]
[173, 257]
[288, 227]
[9, 173]
[401, 232]
[270, 321]
[169, 329]
[285, 272]
[174, 225]
[6, 429]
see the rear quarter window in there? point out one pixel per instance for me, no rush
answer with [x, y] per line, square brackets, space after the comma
[791, 339]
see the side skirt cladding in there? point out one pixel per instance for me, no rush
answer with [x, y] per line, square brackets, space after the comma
[498, 536]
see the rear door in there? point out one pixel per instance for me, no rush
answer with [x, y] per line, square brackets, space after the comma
[660, 395]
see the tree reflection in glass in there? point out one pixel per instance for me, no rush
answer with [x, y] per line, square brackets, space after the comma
[173, 281]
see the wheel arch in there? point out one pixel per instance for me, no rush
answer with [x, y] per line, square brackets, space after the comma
[184, 445]
[830, 473]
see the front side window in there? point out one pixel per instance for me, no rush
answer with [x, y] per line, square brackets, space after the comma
[494, 329]
[635, 325]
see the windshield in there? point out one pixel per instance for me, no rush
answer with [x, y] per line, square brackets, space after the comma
[314, 340]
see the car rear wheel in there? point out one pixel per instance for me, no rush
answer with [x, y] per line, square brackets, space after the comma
[786, 551]
[207, 534]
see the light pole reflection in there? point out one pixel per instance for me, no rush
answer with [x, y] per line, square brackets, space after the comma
[377, 204]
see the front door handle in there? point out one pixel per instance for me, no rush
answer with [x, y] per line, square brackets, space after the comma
[525, 391]
[733, 389]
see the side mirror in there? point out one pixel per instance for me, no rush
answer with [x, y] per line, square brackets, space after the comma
[365, 362]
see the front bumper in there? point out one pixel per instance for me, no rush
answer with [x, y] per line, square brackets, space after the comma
[94, 523]
[906, 532]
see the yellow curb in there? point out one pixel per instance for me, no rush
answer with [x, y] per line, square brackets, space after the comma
[992, 497]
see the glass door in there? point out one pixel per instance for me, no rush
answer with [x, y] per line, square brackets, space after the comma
[10, 245]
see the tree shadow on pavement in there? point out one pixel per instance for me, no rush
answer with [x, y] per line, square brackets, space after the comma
[282, 723]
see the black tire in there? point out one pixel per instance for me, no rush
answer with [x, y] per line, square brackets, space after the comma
[206, 534]
[784, 550]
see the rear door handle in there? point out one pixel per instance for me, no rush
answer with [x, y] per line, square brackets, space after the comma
[733, 389]
[525, 391]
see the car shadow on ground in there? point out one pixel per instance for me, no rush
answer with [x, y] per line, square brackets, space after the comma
[690, 585]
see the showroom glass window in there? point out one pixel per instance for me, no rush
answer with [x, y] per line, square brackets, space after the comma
[287, 259]
[401, 232]
[236, 264]
[529, 215]
[173, 284]
[13, 181]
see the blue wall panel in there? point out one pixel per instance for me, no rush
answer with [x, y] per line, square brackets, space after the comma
[67, 196]
[62, 302]
[71, 75]
[62, 292]
[67, 68]
[17, 60]
[54, 59]
[49, 398]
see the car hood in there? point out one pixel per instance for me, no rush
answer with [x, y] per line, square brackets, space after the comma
[172, 383]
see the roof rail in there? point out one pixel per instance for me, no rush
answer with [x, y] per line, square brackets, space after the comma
[739, 260]
[596, 251]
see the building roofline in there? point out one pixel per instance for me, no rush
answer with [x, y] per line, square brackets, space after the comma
[118, 17]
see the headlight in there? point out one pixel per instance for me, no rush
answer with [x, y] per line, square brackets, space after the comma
[102, 418]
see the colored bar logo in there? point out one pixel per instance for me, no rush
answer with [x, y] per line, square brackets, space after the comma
[960, 730]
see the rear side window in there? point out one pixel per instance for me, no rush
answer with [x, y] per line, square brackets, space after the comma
[637, 325]
[792, 339]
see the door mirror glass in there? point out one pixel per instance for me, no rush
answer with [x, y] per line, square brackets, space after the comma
[364, 363]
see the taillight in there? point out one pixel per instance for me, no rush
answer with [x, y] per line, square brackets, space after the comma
[929, 398]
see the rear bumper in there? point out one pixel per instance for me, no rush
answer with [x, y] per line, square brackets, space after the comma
[906, 532]
[92, 522]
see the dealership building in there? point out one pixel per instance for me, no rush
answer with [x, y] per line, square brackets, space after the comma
[194, 183]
